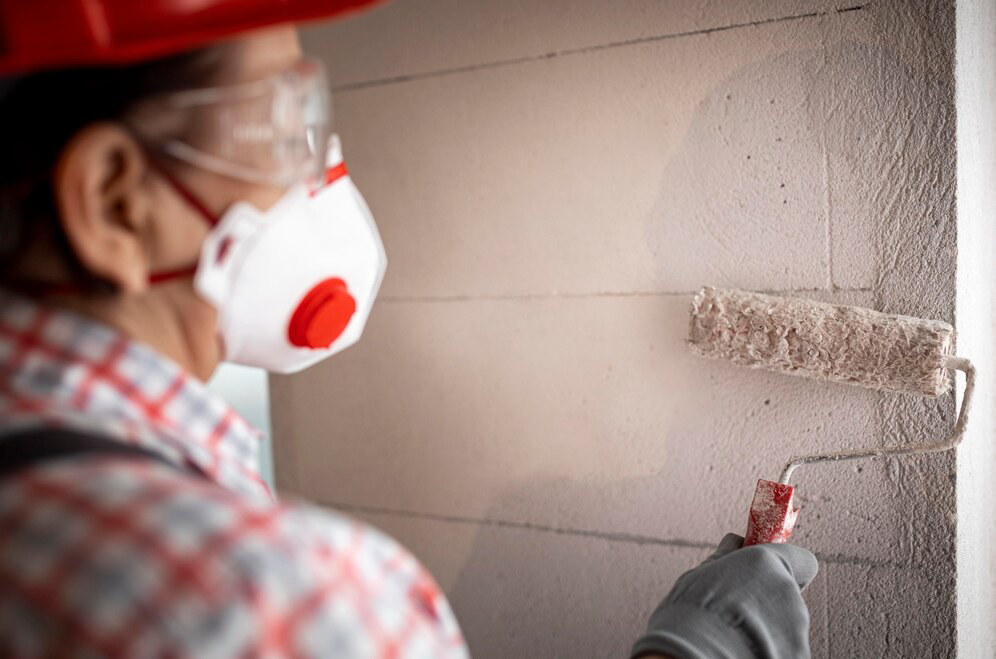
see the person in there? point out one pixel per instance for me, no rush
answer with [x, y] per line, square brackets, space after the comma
[171, 196]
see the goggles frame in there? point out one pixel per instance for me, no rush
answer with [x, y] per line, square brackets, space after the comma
[274, 130]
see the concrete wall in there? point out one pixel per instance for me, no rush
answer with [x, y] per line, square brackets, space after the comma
[553, 180]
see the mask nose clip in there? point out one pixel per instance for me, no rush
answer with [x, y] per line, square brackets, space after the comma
[322, 315]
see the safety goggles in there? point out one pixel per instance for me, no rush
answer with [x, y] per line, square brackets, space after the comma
[273, 131]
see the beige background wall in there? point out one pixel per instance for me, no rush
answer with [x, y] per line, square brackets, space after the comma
[553, 180]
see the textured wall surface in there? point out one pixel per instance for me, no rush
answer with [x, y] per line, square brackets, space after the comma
[553, 180]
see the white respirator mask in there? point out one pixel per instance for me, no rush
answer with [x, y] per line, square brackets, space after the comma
[293, 284]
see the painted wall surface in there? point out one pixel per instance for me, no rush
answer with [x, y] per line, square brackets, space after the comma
[553, 180]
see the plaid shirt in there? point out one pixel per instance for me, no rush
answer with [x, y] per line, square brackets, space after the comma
[112, 556]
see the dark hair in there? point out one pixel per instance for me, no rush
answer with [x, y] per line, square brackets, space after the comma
[40, 113]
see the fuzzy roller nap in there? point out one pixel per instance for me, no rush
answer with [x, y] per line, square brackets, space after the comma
[825, 342]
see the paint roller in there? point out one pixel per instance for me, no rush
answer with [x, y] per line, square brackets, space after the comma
[827, 342]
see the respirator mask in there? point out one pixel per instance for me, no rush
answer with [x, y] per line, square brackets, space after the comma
[293, 284]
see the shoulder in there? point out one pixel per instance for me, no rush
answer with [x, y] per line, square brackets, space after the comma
[136, 556]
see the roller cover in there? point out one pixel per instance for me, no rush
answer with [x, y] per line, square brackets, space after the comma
[822, 341]
[772, 514]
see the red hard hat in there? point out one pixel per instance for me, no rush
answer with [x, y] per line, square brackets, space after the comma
[46, 34]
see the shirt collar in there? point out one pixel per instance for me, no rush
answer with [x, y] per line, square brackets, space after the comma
[60, 367]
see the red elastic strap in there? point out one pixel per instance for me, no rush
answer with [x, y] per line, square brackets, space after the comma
[72, 288]
[193, 202]
[186, 194]
[170, 275]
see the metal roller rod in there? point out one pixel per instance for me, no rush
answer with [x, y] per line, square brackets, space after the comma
[950, 362]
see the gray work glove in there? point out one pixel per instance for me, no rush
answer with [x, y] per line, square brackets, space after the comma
[739, 603]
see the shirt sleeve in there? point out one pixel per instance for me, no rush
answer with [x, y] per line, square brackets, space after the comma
[125, 557]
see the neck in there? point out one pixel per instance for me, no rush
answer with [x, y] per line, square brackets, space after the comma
[169, 318]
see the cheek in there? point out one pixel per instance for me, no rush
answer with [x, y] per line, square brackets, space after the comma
[220, 192]
[262, 196]
[178, 232]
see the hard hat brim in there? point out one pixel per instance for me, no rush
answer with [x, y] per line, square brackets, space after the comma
[55, 34]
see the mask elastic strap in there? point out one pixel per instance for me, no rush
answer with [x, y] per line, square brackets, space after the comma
[187, 195]
[194, 202]
[186, 272]
[170, 275]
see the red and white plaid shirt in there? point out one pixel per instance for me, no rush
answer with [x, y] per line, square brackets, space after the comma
[112, 556]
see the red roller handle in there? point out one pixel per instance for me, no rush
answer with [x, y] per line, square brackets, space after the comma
[772, 514]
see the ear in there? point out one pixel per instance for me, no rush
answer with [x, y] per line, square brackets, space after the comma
[101, 191]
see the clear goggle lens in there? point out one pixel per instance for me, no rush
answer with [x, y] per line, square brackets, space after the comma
[274, 131]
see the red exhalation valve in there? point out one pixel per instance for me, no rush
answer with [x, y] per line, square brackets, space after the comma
[322, 315]
[772, 514]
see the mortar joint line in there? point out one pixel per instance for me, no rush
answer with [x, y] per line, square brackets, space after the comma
[610, 536]
[597, 294]
[392, 80]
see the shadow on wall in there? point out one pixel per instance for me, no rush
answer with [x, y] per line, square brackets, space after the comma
[600, 587]
[769, 154]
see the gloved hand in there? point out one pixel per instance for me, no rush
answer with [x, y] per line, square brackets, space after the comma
[740, 603]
